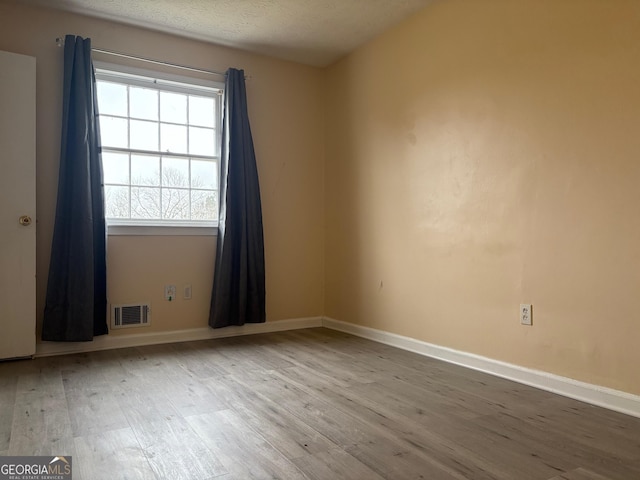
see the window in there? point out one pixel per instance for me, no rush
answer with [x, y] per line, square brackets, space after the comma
[160, 148]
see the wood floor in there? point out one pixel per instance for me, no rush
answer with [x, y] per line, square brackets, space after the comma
[308, 404]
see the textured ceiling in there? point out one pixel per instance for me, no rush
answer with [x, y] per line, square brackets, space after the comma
[314, 32]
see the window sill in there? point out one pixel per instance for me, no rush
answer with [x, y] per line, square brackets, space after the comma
[116, 229]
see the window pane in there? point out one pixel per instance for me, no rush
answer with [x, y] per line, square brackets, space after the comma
[144, 135]
[167, 182]
[201, 111]
[116, 202]
[145, 170]
[115, 167]
[145, 202]
[112, 99]
[143, 103]
[175, 172]
[204, 174]
[201, 141]
[113, 132]
[173, 138]
[173, 107]
[204, 205]
[175, 204]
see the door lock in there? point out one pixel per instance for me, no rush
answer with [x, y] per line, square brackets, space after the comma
[25, 220]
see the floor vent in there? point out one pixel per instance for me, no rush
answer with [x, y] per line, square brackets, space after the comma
[125, 316]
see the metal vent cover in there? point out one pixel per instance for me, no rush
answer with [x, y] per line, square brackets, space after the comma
[132, 315]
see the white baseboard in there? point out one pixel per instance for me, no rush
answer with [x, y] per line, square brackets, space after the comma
[596, 395]
[108, 342]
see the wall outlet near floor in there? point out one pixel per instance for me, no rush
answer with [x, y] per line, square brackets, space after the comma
[525, 314]
[186, 292]
[170, 292]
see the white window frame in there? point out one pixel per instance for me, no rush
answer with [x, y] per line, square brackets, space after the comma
[179, 84]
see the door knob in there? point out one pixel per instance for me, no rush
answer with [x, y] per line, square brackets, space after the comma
[25, 220]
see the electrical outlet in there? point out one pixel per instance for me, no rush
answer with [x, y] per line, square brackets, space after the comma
[526, 317]
[169, 292]
[186, 292]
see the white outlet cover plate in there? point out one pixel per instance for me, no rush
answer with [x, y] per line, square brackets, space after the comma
[170, 292]
[526, 314]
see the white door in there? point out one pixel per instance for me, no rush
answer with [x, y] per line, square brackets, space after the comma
[17, 205]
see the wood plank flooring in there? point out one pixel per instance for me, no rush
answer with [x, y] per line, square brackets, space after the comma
[307, 404]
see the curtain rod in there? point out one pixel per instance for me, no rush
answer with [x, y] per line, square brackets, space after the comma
[60, 43]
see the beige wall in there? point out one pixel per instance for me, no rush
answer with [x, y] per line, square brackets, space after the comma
[485, 154]
[286, 118]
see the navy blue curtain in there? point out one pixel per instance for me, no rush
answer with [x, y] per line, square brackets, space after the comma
[238, 295]
[76, 302]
